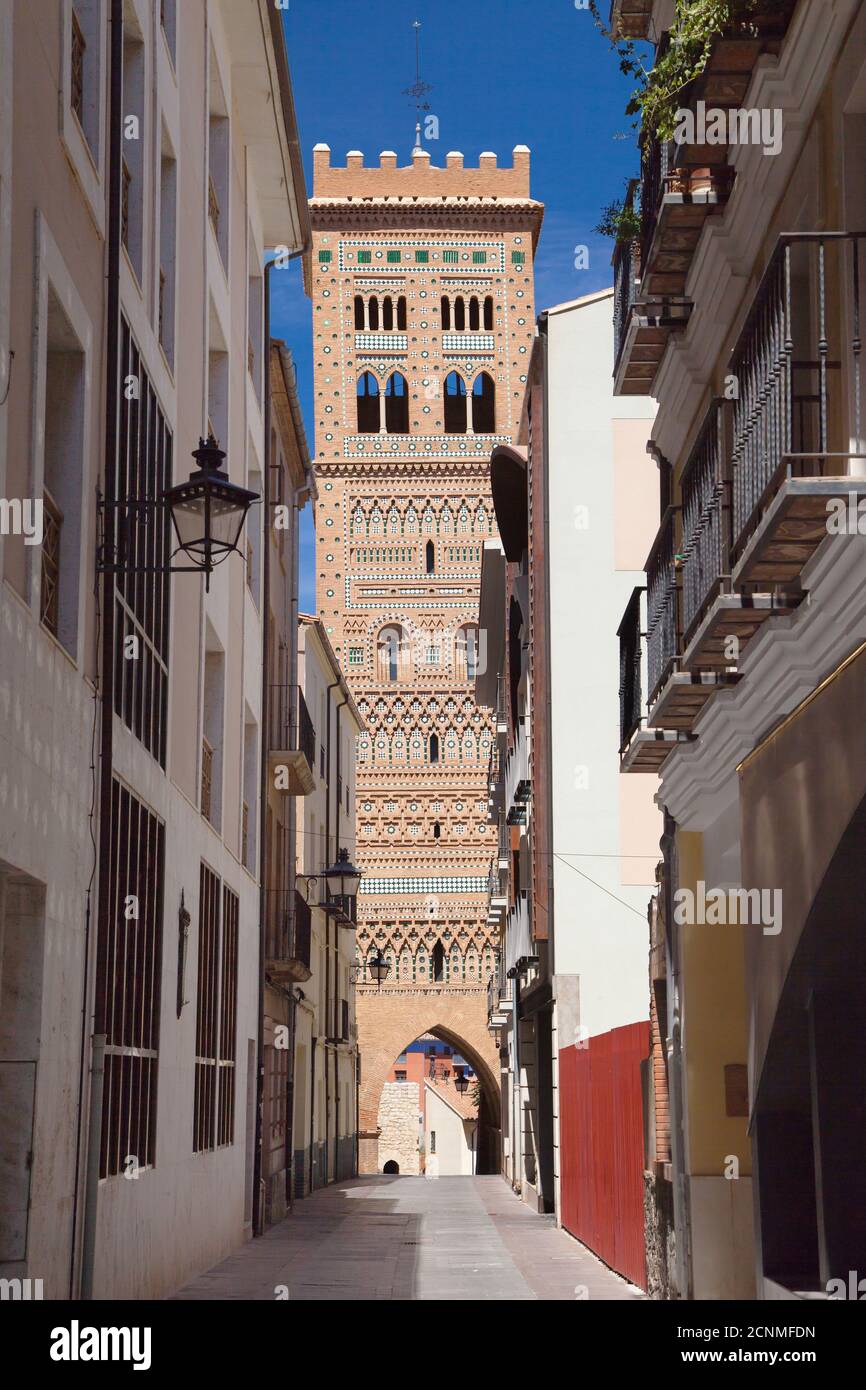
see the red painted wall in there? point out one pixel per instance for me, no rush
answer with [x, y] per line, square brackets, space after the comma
[601, 1147]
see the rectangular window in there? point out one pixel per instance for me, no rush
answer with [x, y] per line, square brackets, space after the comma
[422, 257]
[399, 1076]
[132, 222]
[129, 968]
[218, 161]
[451, 257]
[64, 417]
[365, 257]
[356, 656]
[394, 257]
[141, 602]
[479, 257]
[212, 732]
[216, 1014]
[167, 250]
[518, 257]
[325, 256]
[432, 1141]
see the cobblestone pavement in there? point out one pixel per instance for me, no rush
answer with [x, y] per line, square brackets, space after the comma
[380, 1238]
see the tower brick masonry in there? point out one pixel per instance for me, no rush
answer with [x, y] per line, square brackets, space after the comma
[423, 321]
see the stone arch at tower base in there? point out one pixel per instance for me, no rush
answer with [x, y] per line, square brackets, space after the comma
[390, 1019]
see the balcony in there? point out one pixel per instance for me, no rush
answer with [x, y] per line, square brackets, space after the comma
[497, 891]
[797, 431]
[630, 19]
[677, 694]
[517, 786]
[499, 1000]
[519, 947]
[641, 749]
[288, 921]
[291, 741]
[681, 186]
[641, 325]
[717, 622]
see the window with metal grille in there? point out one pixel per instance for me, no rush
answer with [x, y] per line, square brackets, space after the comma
[142, 545]
[325, 256]
[79, 47]
[129, 966]
[216, 1014]
[422, 257]
[49, 591]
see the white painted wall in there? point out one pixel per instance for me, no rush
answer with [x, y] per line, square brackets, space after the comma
[599, 479]
[454, 1138]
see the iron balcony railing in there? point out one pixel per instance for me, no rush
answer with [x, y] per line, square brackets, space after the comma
[518, 936]
[626, 276]
[657, 162]
[285, 731]
[630, 669]
[663, 627]
[797, 368]
[706, 521]
[288, 925]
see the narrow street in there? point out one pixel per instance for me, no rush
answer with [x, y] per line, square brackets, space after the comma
[381, 1238]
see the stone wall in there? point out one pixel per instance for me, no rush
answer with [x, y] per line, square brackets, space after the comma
[660, 1237]
[398, 1126]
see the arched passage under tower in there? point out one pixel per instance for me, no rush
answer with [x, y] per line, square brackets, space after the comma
[389, 1021]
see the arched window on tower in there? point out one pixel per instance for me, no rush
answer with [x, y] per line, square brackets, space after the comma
[397, 405]
[359, 311]
[431, 557]
[455, 404]
[373, 310]
[446, 313]
[474, 320]
[437, 830]
[401, 313]
[467, 652]
[459, 314]
[387, 313]
[388, 653]
[368, 404]
[434, 748]
[488, 311]
[438, 964]
[483, 404]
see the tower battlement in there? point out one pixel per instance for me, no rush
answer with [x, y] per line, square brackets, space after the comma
[421, 178]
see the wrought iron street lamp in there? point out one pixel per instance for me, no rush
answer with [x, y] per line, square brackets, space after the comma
[378, 967]
[341, 881]
[208, 510]
[461, 1080]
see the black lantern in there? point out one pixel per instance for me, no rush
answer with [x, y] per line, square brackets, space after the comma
[461, 1080]
[342, 879]
[378, 967]
[208, 511]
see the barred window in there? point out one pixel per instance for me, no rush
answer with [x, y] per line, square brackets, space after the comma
[128, 972]
[325, 256]
[216, 1014]
[141, 608]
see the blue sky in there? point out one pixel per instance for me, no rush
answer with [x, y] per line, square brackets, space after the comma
[502, 74]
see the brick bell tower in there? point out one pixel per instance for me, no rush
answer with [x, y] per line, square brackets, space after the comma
[423, 321]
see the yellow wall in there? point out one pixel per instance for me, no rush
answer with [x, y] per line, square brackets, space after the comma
[714, 1027]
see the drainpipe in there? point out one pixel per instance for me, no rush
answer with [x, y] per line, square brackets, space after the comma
[106, 675]
[332, 686]
[337, 962]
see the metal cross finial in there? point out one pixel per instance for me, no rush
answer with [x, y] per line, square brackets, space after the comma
[420, 89]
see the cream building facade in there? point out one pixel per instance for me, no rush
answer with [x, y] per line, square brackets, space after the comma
[152, 168]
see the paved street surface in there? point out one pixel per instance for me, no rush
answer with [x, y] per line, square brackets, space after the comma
[381, 1238]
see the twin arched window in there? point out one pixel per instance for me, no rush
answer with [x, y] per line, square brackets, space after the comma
[396, 402]
[483, 404]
